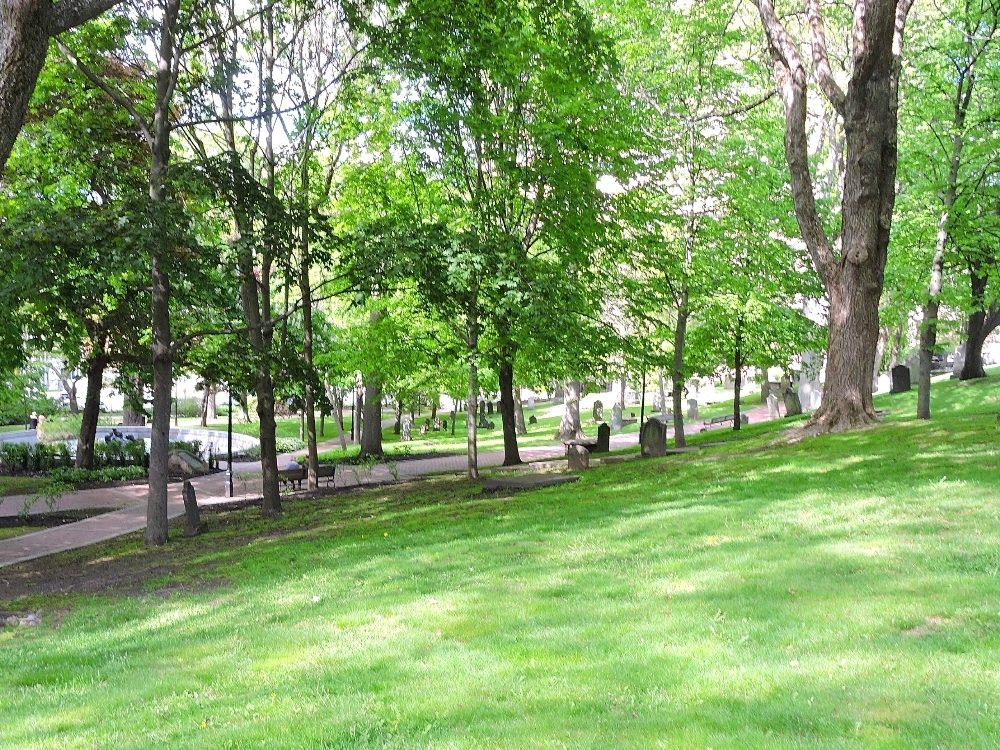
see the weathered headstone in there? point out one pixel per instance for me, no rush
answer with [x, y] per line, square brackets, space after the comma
[532, 419]
[900, 379]
[437, 424]
[603, 439]
[744, 419]
[491, 425]
[657, 402]
[793, 407]
[423, 429]
[192, 526]
[616, 417]
[444, 425]
[407, 429]
[692, 409]
[483, 423]
[489, 407]
[598, 411]
[772, 407]
[579, 457]
[653, 438]
[531, 401]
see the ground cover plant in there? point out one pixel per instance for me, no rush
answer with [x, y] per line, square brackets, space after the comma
[836, 591]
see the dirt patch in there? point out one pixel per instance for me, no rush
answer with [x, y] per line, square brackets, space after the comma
[931, 626]
[50, 519]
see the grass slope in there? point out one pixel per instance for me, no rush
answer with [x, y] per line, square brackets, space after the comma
[837, 592]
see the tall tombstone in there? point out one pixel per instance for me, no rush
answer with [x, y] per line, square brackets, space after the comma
[192, 526]
[772, 407]
[406, 436]
[616, 417]
[692, 409]
[489, 407]
[657, 401]
[603, 439]
[598, 411]
[793, 406]
[653, 439]
[531, 401]
[900, 379]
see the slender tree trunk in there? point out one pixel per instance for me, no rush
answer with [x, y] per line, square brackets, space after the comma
[677, 375]
[159, 444]
[371, 434]
[894, 352]
[396, 428]
[522, 429]
[511, 456]
[470, 414]
[663, 393]
[883, 340]
[738, 381]
[213, 404]
[305, 292]
[570, 427]
[206, 392]
[91, 413]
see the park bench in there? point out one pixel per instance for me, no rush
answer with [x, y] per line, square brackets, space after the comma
[710, 423]
[295, 477]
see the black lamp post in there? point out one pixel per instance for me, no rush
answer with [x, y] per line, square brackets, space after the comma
[229, 448]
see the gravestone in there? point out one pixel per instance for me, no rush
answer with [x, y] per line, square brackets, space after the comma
[793, 407]
[744, 419]
[657, 402]
[579, 457]
[900, 379]
[444, 425]
[489, 407]
[192, 526]
[616, 417]
[437, 424]
[423, 429]
[598, 411]
[483, 424]
[816, 397]
[603, 439]
[653, 438]
[692, 409]
[491, 425]
[772, 407]
[532, 419]
[631, 397]
[531, 401]
[482, 408]
[407, 428]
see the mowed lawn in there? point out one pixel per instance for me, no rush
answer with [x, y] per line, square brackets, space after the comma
[833, 592]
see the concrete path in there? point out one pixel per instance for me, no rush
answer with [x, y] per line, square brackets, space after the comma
[130, 502]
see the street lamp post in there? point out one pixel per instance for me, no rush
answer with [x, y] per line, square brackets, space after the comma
[229, 448]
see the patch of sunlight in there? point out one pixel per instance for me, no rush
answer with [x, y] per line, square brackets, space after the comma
[671, 587]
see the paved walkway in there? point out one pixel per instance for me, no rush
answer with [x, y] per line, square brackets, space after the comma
[130, 502]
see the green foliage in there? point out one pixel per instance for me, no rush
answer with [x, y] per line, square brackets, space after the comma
[70, 475]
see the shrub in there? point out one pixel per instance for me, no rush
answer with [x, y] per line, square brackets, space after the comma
[287, 445]
[106, 474]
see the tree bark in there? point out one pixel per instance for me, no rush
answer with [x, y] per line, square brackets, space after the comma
[522, 428]
[371, 433]
[737, 380]
[508, 418]
[91, 413]
[25, 29]
[663, 392]
[853, 281]
[570, 427]
[677, 375]
[982, 322]
[305, 291]
[470, 413]
[159, 443]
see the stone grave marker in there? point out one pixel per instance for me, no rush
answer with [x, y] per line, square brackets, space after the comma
[653, 438]
[616, 417]
[744, 419]
[793, 407]
[772, 407]
[532, 419]
[489, 407]
[531, 401]
[407, 428]
[598, 411]
[437, 424]
[692, 409]
[579, 457]
[900, 379]
[603, 439]
[423, 429]
[657, 402]
[192, 526]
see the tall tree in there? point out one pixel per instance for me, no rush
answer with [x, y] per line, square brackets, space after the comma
[853, 275]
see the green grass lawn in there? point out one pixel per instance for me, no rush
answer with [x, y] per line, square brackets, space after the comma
[839, 591]
[20, 485]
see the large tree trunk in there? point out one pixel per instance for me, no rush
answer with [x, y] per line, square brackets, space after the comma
[737, 384]
[677, 374]
[854, 277]
[508, 418]
[982, 322]
[25, 28]
[163, 381]
[91, 413]
[570, 427]
[371, 434]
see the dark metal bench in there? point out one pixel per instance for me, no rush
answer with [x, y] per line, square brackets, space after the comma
[710, 423]
[295, 477]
